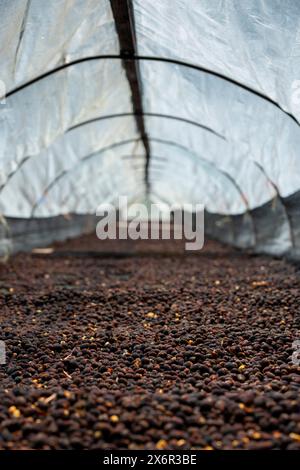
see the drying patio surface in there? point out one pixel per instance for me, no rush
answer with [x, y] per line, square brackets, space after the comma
[137, 345]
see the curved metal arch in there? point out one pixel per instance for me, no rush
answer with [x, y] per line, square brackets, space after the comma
[238, 188]
[87, 157]
[178, 62]
[190, 152]
[137, 139]
[159, 115]
[249, 210]
[118, 144]
[112, 116]
[106, 117]
[139, 186]
[96, 154]
[121, 114]
[151, 58]
[227, 175]
[59, 68]
[11, 174]
[213, 181]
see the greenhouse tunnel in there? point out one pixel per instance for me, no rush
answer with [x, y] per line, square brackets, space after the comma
[143, 344]
[222, 113]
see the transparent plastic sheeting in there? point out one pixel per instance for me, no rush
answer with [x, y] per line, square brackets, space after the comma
[212, 140]
[38, 35]
[190, 140]
[94, 161]
[33, 118]
[188, 184]
[253, 128]
[254, 42]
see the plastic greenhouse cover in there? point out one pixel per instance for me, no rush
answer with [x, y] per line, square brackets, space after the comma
[236, 114]
[37, 142]
[98, 140]
[25, 132]
[38, 36]
[228, 129]
[256, 43]
[248, 176]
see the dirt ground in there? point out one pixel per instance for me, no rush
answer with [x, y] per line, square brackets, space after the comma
[137, 345]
